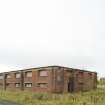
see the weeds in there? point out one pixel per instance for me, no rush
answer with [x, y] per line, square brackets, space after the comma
[96, 97]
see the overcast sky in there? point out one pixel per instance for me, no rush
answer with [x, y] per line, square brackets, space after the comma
[37, 33]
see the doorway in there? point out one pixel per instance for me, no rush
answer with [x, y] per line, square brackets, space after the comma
[71, 86]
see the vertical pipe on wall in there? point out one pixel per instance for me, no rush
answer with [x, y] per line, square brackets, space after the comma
[4, 81]
[22, 80]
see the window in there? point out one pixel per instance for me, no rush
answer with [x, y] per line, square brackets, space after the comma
[17, 84]
[7, 84]
[1, 76]
[43, 73]
[42, 85]
[59, 78]
[28, 85]
[81, 73]
[90, 74]
[80, 83]
[8, 76]
[17, 75]
[29, 74]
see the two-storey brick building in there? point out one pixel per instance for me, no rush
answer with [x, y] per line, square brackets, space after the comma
[55, 79]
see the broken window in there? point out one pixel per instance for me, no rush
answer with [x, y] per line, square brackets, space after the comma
[7, 84]
[28, 85]
[17, 84]
[42, 85]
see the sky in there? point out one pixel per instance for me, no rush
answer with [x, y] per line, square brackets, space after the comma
[36, 33]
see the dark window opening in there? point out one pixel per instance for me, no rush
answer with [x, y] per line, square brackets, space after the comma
[7, 84]
[42, 85]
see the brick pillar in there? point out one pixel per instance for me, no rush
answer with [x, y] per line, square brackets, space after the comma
[22, 80]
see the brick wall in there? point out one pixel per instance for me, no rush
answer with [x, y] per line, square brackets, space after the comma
[49, 79]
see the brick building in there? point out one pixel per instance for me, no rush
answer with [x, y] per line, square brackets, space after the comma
[55, 79]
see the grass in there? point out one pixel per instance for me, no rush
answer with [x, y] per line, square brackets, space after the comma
[96, 97]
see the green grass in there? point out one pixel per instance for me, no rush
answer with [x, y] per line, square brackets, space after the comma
[96, 97]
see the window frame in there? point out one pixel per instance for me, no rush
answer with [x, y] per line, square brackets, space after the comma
[8, 76]
[1, 76]
[25, 85]
[8, 84]
[39, 85]
[18, 85]
[81, 73]
[26, 74]
[90, 74]
[43, 74]
[17, 76]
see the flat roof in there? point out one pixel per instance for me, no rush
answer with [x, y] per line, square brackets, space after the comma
[28, 69]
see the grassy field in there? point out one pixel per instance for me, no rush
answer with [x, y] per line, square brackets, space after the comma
[96, 97]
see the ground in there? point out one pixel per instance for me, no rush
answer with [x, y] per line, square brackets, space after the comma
[94, 97]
